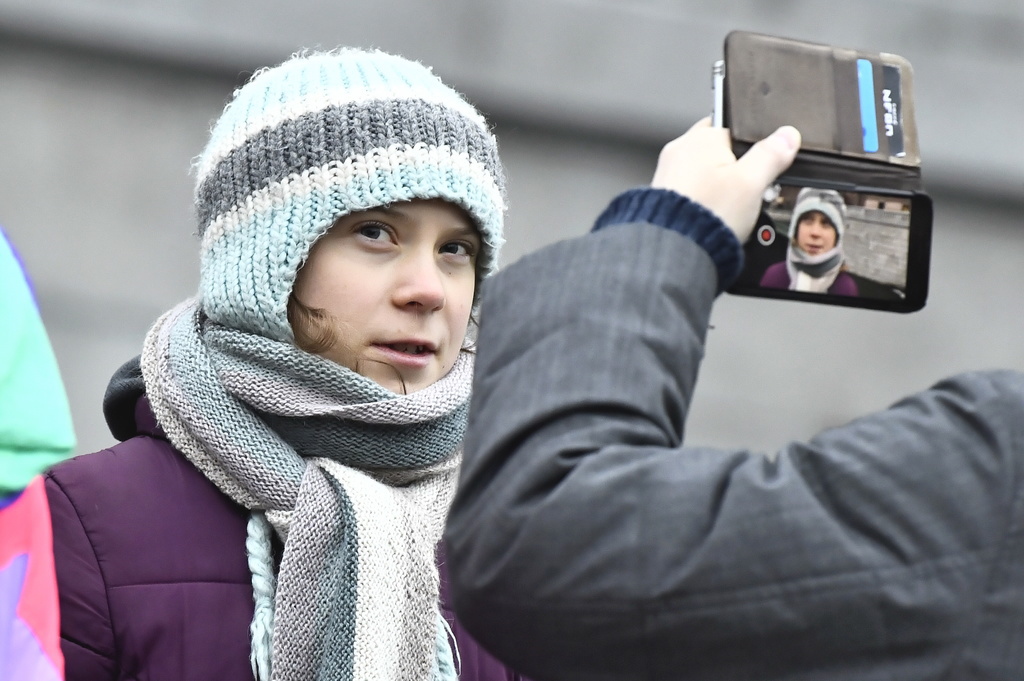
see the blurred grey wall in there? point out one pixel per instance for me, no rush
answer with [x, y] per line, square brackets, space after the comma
[103, 105]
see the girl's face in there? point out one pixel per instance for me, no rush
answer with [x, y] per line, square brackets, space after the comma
[815, 233]
[397, 285]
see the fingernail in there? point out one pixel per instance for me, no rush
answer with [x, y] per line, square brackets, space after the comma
[790, 136]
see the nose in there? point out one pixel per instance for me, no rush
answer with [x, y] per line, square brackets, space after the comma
[420, 284]
[817, 228]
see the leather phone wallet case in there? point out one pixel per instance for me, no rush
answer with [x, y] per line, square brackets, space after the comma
[854, 109]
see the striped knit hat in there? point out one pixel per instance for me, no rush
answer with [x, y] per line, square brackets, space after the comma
[828, 202]
[318, 137]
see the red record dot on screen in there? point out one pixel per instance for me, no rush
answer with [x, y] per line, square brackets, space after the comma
[765, 235]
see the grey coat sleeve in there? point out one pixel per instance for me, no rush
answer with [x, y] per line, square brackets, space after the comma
[587, 542]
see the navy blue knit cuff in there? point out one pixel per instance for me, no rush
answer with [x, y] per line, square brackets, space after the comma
[666, 208]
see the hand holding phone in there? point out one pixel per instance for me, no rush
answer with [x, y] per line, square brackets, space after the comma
[700, 165]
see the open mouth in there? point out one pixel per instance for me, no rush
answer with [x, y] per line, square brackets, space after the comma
[410, 348]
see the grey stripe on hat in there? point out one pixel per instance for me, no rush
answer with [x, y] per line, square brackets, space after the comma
[336, 134]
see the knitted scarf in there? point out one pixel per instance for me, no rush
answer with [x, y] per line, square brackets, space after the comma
[355, 480]
[815, 273]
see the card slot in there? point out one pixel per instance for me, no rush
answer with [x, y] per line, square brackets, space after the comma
[890, 110]
[849, 135]
[899, 79]
[883, 138]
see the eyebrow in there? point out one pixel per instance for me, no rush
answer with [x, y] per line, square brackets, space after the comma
[461, 230]
[468, 230]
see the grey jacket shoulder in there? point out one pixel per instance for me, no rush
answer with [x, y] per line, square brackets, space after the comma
[588, 542]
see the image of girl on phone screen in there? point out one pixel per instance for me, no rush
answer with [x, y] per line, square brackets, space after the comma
[814, 261]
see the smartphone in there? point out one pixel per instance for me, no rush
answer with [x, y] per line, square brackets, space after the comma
[841, 245]
[848, 224]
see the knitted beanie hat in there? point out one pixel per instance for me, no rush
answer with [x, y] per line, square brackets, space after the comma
[826, 201]
[316, 138]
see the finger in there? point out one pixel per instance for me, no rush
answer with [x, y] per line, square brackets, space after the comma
[702, 123]
[697, 134]
[704, 140]
[767, 159]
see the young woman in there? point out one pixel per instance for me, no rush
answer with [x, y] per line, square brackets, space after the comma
[815, 260]
[291, 436]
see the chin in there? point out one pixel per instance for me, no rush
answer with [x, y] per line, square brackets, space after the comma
[392, 379]
[405, 386]
[396, 387]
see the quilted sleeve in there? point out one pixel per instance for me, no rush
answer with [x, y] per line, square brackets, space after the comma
[86, 633]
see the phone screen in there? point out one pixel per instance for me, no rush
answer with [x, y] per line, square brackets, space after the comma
[860, 248]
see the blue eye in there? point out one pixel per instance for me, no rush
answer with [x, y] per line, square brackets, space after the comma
[374, 231]
[460, 248]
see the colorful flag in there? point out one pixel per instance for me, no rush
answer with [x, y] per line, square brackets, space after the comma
[35, 432]
[29, 623]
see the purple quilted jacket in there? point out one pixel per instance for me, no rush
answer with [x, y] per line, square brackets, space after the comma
[151, 567]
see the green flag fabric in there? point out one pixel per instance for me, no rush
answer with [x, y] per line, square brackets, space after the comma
[35, 419]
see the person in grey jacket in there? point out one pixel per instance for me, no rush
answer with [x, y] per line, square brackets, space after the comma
[588, 541]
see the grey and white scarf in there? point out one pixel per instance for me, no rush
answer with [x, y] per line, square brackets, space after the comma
[815, 273]
[355, 479]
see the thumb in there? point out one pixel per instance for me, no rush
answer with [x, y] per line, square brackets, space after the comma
[770, 157]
